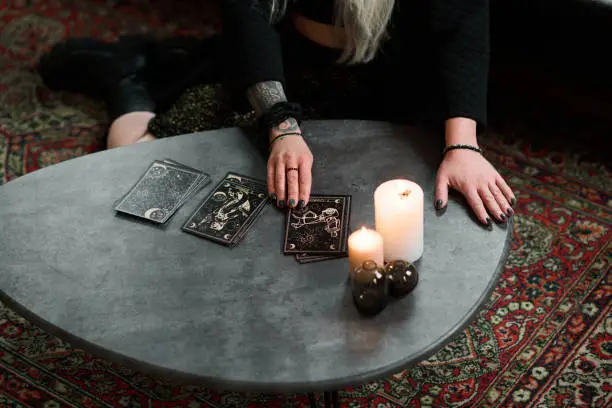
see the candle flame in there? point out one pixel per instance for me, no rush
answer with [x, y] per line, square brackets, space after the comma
[404, 193]
[363, 229]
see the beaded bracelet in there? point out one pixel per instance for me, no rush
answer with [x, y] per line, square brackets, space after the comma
[284, 135]
[461, 146]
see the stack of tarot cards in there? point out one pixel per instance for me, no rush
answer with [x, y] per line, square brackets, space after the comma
[319, 231]
[164, 187]
[230, 210]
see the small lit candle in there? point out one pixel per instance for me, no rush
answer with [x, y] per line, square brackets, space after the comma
[365, 245]
[398, 207]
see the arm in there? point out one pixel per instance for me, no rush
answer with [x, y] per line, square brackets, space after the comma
[255, 68]
[463, 49]
[262, 96]
[253, 57]
[463, 55]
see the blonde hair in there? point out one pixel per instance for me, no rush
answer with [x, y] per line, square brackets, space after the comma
[364, 22]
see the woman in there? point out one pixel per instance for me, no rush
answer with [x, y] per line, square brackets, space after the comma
[400, 60]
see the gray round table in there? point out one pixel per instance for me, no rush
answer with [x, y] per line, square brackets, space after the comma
[247, 318]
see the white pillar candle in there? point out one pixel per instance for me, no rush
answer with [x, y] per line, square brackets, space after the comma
[398, 208]
[365, 245]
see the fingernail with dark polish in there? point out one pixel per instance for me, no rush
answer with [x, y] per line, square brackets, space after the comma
[513, 202]
[502, 217]
[281, 204]
[300, 204]
[291, 203]
[510, 212]
[438, 205]
[273, 196]
[489, 224]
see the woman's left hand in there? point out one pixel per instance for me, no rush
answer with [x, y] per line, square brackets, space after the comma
[473, 176]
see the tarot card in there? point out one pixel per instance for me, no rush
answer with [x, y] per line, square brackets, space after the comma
[159, 192]
[321, 228]
[175, 163]
[203, 181]
[315, 259]
[247, 226]
[229, 210]
[306, 258]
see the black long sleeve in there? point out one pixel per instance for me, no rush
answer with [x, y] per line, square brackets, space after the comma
[462, 47]
[454, 32]
[252, 49]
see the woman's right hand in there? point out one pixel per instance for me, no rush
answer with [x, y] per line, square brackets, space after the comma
[290, 172]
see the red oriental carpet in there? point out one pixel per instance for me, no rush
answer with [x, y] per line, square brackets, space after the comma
[543, 340]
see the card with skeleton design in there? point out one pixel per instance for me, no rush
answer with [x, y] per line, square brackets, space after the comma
[230, 209]
[307, 258]
[321, 228]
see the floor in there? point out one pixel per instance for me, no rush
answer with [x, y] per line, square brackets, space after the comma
[544, 339]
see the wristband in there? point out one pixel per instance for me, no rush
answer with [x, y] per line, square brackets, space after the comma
[279, 113]
[461, 146]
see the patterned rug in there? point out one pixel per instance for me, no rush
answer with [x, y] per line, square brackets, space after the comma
[543, 340]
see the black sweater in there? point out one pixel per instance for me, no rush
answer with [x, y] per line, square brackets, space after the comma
[454, 34]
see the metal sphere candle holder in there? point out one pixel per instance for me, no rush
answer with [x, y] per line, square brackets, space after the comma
[370, 288]
[402, 277]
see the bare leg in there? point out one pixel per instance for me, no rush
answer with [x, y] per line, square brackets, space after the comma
[129, 129]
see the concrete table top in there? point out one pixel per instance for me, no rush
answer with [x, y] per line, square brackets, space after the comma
[249, 318]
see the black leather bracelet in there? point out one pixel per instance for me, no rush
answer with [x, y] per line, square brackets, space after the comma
[279, 113]
[461, 146]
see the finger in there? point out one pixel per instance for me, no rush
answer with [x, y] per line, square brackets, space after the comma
[507, 191]
[474, 200]
[280, 183]
[271, 178]
[293, 186]
[502, 202]
[305, 182]
[491, 204]
[441, 193]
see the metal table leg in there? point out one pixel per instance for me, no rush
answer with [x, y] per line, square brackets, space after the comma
[312, 399]
[327, 399]
[331, 399]
[335, 399]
